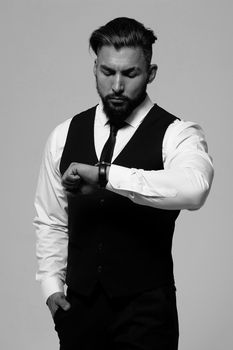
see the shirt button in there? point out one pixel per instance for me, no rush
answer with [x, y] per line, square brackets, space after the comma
[99, 269]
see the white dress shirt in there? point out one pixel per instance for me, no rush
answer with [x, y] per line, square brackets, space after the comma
[184, 183]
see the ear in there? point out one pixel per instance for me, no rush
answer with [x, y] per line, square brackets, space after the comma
[95, 67]
[152, 72]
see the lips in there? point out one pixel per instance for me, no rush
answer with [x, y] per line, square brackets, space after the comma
[117, 100]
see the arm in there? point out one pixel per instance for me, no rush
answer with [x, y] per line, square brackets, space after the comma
[51, 223]
[185, 181]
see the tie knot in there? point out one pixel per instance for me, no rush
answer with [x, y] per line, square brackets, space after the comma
[114, 127]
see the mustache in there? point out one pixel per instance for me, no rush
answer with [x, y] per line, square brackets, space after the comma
[114, 96]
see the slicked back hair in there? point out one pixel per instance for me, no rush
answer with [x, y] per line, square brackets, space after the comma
[124, 32]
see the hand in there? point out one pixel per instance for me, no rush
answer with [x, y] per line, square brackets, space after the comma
[57, 300]
[80, 178]
[71, 179]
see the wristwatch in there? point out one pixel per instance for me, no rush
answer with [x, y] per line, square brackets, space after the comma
[103, 174]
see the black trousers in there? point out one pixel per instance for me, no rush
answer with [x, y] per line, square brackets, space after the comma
[144, 322]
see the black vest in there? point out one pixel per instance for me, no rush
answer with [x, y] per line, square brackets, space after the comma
[123, 245]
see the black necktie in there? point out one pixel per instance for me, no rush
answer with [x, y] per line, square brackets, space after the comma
[107, 152]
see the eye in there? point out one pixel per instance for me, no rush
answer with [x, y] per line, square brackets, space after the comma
[131, 73]
[107, 72]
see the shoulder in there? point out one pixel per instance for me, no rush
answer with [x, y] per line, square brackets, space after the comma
[180, 126]
[58, 136]
[87, 114]
[184, 132]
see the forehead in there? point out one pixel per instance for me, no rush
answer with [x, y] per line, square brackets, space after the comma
[124, 58]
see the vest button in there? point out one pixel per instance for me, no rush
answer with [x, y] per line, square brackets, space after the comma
[99, 269]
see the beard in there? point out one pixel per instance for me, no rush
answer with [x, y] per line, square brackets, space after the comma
[119, 107]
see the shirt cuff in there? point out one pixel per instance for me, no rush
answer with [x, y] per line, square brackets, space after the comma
[50, 286]
[119, 177]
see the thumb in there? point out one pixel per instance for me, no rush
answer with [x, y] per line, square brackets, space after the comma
[63, 303]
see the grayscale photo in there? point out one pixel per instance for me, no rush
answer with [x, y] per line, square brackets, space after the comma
[116, 122]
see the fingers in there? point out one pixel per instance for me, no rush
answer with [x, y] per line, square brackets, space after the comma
[80, 178]
[57, 300]
[63, 303]
[72, 170]
[71, 179]
[71, 184]
[71, 174]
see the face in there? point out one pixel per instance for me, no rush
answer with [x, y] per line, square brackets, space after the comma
[121, 79]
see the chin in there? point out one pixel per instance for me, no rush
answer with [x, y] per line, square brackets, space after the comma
[119, 113]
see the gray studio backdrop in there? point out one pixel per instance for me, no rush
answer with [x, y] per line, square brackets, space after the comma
[46, 76]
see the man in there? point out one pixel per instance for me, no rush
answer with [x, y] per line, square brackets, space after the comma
[106, 211]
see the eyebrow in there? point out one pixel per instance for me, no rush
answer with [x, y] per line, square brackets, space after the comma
[125, 71]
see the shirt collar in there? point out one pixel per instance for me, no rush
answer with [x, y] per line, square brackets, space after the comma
[136, 116]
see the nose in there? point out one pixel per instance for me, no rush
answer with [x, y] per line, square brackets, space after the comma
[118, 84]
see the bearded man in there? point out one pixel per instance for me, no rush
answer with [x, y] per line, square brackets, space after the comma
[112, 183]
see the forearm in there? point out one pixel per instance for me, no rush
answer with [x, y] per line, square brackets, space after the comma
[51, 223]
[186, 177]
[180, 188]
[51, 252]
